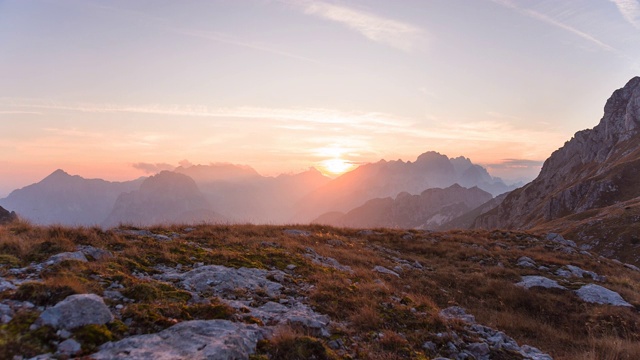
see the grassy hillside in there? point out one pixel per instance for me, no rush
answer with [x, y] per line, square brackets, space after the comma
[374, 315]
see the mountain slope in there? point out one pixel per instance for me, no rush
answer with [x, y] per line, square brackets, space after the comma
[167, 197]
[66, 199]
[428, 210]
[390, 178]
[6, 216]
[596, 169]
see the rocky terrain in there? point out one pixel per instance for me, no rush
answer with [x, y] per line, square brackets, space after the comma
[428, 211]
[584, 183]
[313, 292]
[7, 216]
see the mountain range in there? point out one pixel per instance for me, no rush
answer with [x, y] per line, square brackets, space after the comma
[231, 193]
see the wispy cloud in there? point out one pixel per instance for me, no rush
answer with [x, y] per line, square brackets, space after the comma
[391, 32]
[630, 10]
[152, 168]
[554, 22]
[228, 39]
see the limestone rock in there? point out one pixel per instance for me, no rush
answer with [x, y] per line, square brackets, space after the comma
[295, 232]
[384, 270]
[539, 281]
[223, 280]
[195, 340]
[527, 262]
[76, 311]
[69, 347]
[600, 295]
[77, 256]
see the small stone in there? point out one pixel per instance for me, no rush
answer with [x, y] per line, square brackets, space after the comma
[384, 270]
[538, 281]
[526, 262]
[75, 311]
[296, 232]
[593, 293]
[429, 346]
[69, 347]
[291, 267]
[63, 334]
[119, 306]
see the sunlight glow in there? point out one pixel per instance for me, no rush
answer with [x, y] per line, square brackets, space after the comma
[336, 166]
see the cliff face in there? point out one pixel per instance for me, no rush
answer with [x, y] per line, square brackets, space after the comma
[597, 168]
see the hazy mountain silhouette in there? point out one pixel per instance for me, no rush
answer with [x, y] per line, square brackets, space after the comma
[242, 195]
[389, 178]
[429, 210]
[588, 189]
[167, 197]
[66, 199]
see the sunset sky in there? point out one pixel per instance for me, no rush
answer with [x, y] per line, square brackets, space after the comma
[120, 89]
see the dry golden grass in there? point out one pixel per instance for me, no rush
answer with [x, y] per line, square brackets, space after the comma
[473, 269]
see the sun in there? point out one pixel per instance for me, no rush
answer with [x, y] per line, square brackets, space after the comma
[336, 166]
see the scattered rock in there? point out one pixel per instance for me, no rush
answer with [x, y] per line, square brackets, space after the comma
[223, 280]
[76, 311]
[558, 239]
[69, 347]
[6, 285]
[95, 253]
[77, 256]
[593, 293]
[574, 271]
[485, 340]
[384, 270]
[298, 315]
[526, 262]
[632, 267]
[296, 232]
[539, 281]
[325, 261]
[196, 340]
[458, 313]
[291, 267]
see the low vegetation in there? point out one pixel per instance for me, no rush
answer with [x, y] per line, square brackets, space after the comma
[374, 315]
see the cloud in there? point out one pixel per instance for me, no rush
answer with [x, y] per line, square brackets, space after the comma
[516, 163]
[150, 168]
[551, 21]
[391, 32]
[630, 10]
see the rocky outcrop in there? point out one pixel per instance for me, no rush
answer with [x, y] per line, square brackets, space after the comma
[197, 339]
[593, 293]
[6, 216]
[487, 343]
[597, 168]
[538, 281]
[427, 211]
[76, 311]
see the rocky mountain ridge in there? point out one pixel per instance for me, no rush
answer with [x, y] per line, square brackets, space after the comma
[427, 211]
[596, 169]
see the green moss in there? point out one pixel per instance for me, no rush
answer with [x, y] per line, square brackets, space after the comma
[145, 292]
[210, 311]
[42, 294]
[9, 260]
[17, 340]
[91, 336]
